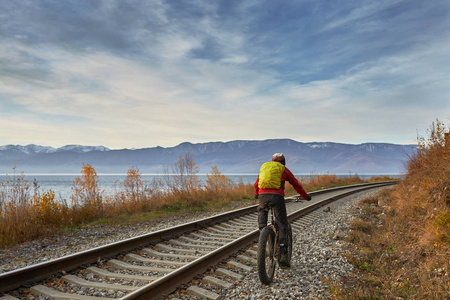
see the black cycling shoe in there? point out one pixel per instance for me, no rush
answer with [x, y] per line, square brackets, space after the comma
[284, 261]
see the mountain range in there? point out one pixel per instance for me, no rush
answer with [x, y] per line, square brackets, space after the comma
[234, 157]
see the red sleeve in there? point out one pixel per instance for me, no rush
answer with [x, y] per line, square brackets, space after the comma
[256, 186]
[288, 176]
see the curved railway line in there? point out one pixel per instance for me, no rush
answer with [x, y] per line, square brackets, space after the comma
[155, 264]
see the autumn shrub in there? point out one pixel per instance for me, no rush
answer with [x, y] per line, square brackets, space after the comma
[381, 178]
[185, 190]
[135, 195]
[48, 210]
[87, 198]
[130, 198]
[133, 184]
[314, 182]
[25, 213]
[217, 183]
[220, 188]
[154, 192]
[14, 210]
[322, 180]
[425, 193]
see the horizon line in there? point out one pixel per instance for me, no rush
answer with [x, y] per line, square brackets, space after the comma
[199, 143]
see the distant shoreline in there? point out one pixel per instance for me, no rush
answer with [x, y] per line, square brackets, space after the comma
[200, 174]
[61, 183]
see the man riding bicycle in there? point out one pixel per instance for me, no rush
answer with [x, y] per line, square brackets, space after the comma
[269, 189]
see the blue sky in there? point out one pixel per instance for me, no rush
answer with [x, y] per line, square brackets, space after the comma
[140, 73]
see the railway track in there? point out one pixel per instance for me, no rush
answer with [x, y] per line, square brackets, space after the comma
[155, 264]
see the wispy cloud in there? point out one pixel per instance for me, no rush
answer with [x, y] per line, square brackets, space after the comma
[147, 73]
[364, 13]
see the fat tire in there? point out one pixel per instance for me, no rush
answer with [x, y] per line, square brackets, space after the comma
[266, 269]
[290, 242]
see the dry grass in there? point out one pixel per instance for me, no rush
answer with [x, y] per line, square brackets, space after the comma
[315, 182]
[26, 213]
[405, 251]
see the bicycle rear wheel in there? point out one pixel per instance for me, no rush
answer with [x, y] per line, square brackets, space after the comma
[266, 255]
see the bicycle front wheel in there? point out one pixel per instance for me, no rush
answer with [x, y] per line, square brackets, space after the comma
[290, 242]
[266, 255]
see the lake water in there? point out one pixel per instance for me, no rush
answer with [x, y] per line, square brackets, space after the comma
[61, 184]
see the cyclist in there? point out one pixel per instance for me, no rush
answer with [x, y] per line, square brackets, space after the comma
[275, 197]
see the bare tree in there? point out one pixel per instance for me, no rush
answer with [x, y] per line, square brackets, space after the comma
[183, 178]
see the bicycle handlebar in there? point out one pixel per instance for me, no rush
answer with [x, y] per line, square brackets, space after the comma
[298, 198]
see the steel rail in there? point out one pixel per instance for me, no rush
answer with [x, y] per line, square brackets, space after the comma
[170, 282]
[25, 276]
[28, 275]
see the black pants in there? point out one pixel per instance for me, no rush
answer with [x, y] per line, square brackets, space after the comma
[279, 209]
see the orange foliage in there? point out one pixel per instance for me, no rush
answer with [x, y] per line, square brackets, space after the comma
[87, 201]
[217, 182]
[24, 216]
[86, 187]
[316, 182]
[133, 183]
[47, 209]
[134, 197]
